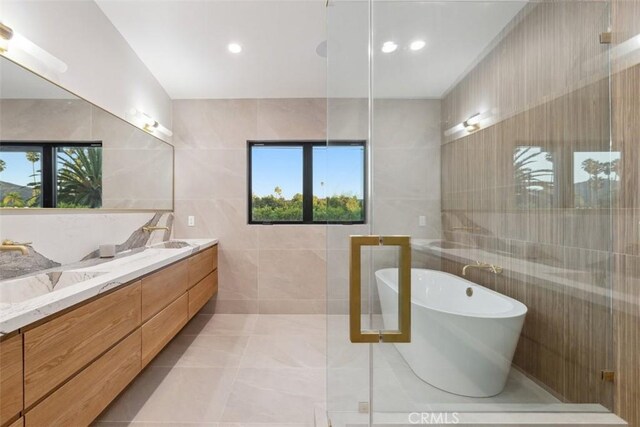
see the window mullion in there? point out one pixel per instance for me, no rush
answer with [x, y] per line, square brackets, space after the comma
[48, 181]
[307, 183]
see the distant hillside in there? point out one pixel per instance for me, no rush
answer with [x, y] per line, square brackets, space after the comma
[583, 194]
[8, 187]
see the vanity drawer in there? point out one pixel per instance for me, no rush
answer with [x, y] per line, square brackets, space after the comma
[163, 287]
[10, 378]
[18, 423]
[202, 292]
[59, 348]
[158, 331]
[201, 264]
[85, 396]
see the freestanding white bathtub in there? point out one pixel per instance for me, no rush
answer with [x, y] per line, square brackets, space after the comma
[459, 343]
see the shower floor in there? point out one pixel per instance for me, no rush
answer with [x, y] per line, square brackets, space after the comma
[397, 388]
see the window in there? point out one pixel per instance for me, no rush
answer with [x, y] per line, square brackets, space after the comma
[51, 175]
[306, 182]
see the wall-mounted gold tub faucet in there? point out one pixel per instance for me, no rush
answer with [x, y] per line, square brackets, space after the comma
[483, 266]
[10, 245]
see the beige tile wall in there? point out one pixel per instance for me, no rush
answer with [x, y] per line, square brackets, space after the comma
[284, 269]
[137, 169]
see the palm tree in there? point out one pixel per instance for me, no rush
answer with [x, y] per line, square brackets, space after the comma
[33, 157]
[594, 168]
[80, 177]
[3, 165]
[527, 178]
[278, 191]
[13, 200]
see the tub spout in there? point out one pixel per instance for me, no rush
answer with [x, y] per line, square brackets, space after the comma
[483, 266]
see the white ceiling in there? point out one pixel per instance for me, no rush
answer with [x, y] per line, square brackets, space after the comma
[184, 44]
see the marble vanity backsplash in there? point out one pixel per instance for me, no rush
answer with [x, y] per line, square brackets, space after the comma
[59, 239]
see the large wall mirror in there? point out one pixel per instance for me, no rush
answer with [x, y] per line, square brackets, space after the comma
[60, 151]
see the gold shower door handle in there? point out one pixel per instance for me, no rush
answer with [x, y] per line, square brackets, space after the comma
[403, 333]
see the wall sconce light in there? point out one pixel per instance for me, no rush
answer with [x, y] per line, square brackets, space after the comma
[6, 34]
[17, 47]
[148, 123]
[472, 124]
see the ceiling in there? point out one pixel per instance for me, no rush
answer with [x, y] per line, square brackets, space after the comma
[184, 44]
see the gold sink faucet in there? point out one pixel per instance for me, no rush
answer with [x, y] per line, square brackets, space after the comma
[150, 228]
[9, 245]
[483, 266]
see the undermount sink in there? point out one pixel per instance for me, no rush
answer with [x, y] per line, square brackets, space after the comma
[171, 244]
[25, 288]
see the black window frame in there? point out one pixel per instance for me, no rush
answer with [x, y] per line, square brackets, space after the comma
[307, 179]
[48, 162]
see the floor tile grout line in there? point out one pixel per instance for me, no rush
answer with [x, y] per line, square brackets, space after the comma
[235, 379]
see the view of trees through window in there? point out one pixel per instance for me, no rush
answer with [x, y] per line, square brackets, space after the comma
[20, 177]
[27, 171]
[331, 177]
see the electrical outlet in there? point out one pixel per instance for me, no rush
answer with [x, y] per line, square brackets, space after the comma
[422, 221]
[191, 221]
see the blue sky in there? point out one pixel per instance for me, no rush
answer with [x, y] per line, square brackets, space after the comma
[337, 170]
[18, 168]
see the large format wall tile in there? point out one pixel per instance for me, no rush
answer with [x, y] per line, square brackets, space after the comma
[283, 268]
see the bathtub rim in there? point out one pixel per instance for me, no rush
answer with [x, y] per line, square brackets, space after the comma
[519, 309]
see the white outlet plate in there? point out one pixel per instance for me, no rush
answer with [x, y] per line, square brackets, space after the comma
[422, 221]
[191, 221]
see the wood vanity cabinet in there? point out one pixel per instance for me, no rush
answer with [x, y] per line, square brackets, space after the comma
[202, 292]
[162, 288]
[77, 363]
[158, 331]
[79, 401]
[200, 265]
[18, 423]
[59, 348]
[11, 374]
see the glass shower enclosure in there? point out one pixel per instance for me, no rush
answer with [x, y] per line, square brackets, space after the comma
[487, 130]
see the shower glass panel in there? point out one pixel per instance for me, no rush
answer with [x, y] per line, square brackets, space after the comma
[488, 143]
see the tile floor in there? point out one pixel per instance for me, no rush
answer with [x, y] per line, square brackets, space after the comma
[231, 370]
[236, 370]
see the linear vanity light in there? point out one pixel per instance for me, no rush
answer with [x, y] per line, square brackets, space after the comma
[470, 125]
[15, 46]
[6, 34]
[148, 123]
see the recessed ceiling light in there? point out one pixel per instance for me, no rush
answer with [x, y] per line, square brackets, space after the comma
[417, 44]
[388, 47]
[234, 48]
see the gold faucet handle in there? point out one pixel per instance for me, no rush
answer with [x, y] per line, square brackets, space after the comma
[10, 242]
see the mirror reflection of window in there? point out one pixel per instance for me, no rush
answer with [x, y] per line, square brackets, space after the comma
[78, 177]
[51, 175]
[20, 177]
[596, 178]
[534, 177]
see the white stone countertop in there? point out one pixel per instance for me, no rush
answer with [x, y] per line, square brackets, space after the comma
[101, 276]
